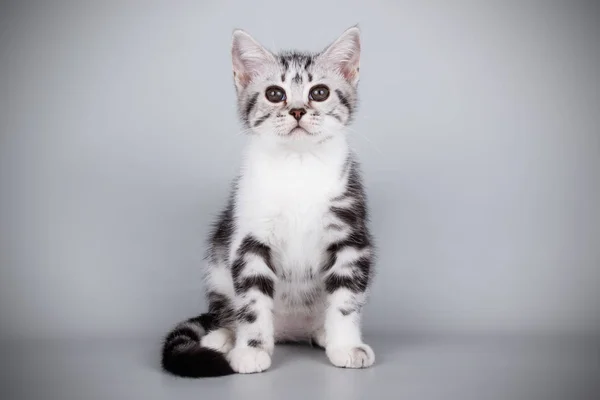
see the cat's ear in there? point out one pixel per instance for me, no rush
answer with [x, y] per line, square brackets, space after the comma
[344, 54]
[248, 57]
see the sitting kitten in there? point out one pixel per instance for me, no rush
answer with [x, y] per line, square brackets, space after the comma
[291, 256]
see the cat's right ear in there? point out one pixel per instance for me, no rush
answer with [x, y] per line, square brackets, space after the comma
[249, 58]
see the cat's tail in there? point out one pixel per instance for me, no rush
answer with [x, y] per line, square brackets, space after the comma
[183, 355]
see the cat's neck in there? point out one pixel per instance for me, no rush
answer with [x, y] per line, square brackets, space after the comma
[331, 150]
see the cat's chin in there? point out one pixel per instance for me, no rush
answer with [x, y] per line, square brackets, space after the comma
[301, 140]
[298, 130]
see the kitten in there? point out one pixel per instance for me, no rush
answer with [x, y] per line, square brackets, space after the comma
[290, 257]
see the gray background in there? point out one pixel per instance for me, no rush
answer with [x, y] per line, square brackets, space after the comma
[478, 131]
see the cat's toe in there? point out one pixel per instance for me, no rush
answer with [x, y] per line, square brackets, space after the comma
[249, 360]
[359, 356]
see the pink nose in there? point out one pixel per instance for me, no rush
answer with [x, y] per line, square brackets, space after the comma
[297, 113]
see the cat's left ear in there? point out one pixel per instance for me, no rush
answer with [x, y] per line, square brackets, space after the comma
[344, 54]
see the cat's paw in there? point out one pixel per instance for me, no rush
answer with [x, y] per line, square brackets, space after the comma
[359, 356]
[220, 340]
[248, 360]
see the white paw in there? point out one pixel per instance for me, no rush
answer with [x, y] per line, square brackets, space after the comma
[360, 356]
[220, 340]
[248, 360]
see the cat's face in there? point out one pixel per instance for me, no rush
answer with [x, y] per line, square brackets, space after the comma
[296, 96]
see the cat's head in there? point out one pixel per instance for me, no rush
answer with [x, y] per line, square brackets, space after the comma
[296, 96]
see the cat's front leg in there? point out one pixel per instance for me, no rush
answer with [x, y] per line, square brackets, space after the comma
[346, 279]
[254, 281]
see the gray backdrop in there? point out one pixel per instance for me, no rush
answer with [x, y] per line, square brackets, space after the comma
[478, 130]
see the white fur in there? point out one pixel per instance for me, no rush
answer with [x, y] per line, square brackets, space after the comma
[248, 360]
[220, 340]
[218, 278]
[360, 356]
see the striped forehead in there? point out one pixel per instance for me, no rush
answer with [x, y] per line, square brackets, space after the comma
[296, 67]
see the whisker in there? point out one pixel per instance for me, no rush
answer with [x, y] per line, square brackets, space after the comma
[244, 131]
[367, 139]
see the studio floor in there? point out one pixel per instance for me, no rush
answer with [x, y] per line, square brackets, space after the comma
[407, 367]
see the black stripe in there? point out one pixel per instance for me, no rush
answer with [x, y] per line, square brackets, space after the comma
[207, 321]
[354, 216]
[334, 115]
[283, 77]
[334, 227]
[177, 341]
[346, 215]
[237, 267]
[220, 308]
[356, 240]
[250, 105]
[308, 301]
[261, 119]
[217, 302]
[284, 62]
[255, 343]
[344, 100]
[330, 262]
[341, 197]
[297, 78]
[262, 283]
[183, 331]
[347, 311]
[245, 314]
[348, 164]
[363, 264]
[354, 185]
[222, 232]
[357, 283]
[308, 62]
[254, 246]
[310, 77]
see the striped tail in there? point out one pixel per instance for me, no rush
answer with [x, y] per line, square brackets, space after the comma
[183, 355]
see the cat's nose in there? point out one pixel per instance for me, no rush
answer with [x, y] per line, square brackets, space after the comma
[297, 113]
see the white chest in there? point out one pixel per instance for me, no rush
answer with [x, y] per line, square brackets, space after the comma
[283, 199]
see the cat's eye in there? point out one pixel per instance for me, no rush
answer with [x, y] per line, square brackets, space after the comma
[319, 93]
[275, 94]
